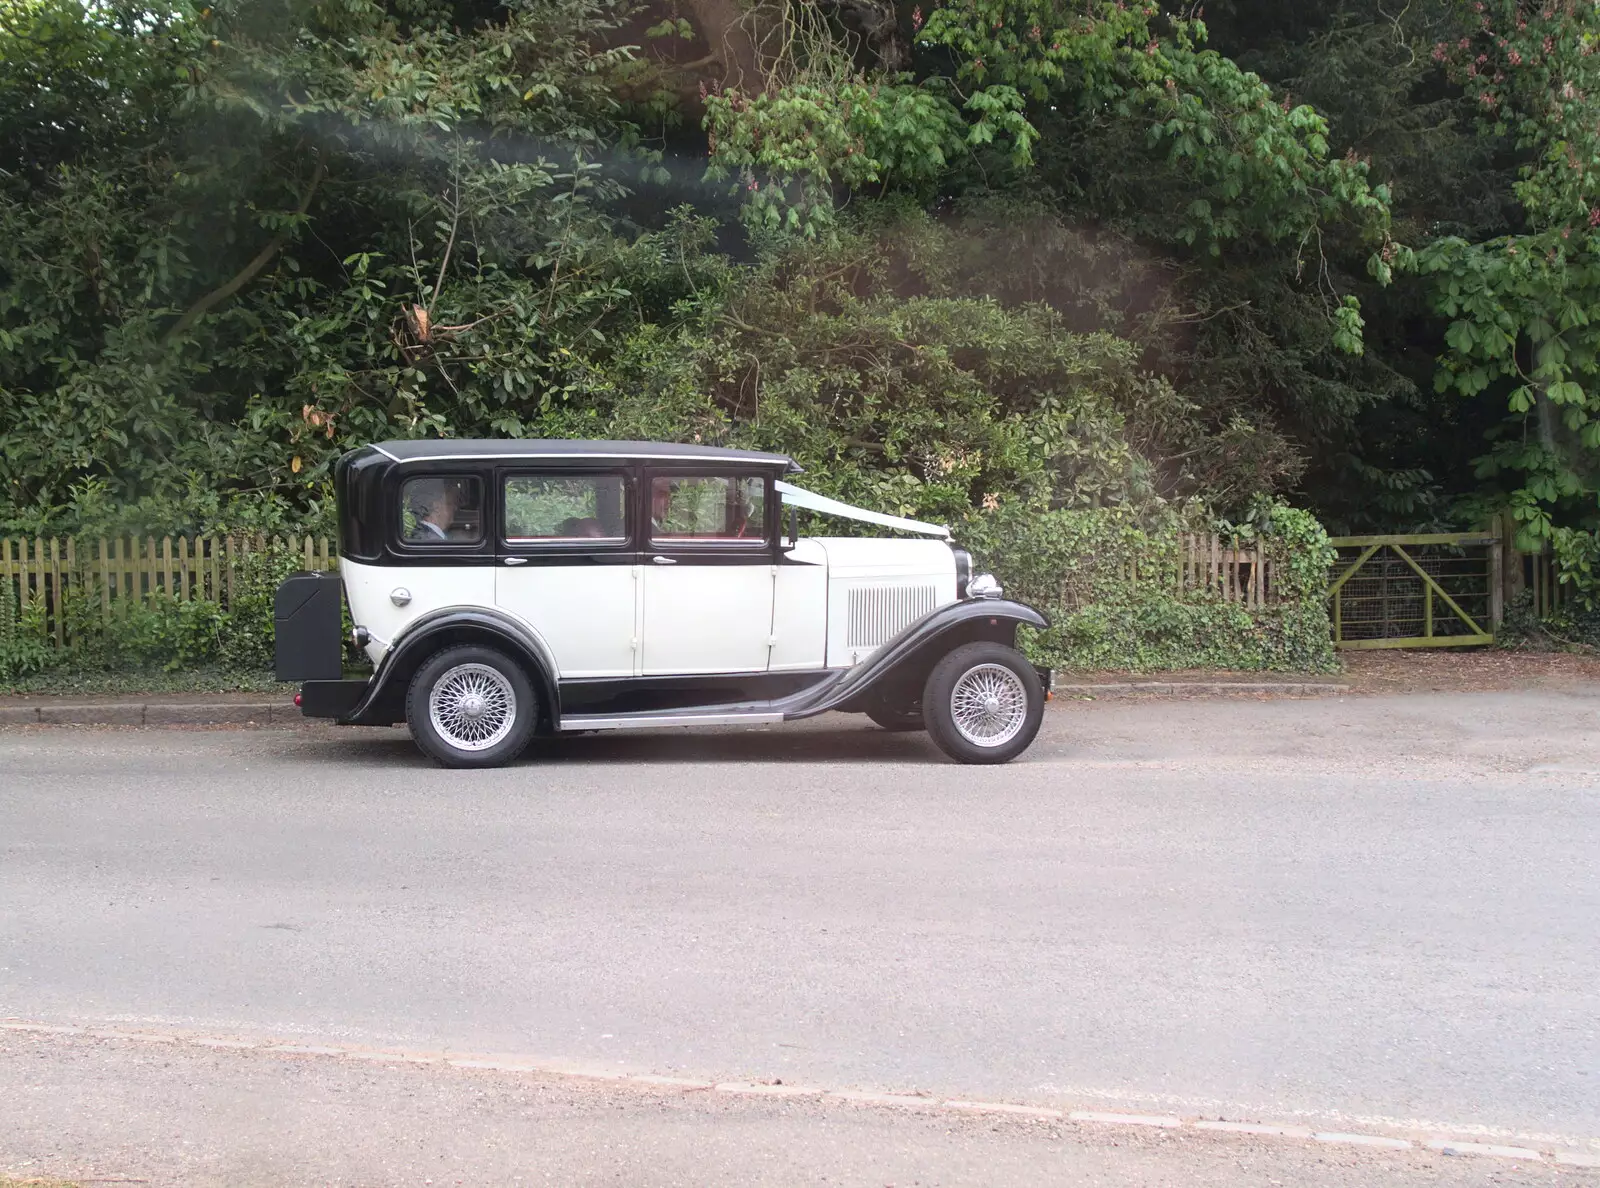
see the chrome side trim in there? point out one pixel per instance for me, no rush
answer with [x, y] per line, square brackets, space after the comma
[386, 453]
[644, 721]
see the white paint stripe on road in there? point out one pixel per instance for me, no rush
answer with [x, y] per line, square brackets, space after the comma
[670, 1082]
[141, 1037]
[1195, 1106]
[756, 1089]
[1299, 1132]
[521, 1066]
[532, 1066]
[1455, 1147]
[306, 1050]
[1125, 1119]
[1002, 1107]
[867, 1097]
[1577, 1159]
[1364, 1140]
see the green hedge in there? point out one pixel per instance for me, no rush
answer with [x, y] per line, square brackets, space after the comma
[1109, 583]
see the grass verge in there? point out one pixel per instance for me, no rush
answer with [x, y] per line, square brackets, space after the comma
[61, 682]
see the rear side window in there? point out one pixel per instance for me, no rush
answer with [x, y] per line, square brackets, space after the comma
[706, 509]
[442, 509]
[542, 509]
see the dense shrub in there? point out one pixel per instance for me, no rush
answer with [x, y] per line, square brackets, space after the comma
[1108, 581]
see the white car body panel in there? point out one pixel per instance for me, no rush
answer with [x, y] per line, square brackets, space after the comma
[877, 587]
[431, 587]
[846, 597]
[702, 618]
[588, 615]
[800, 610]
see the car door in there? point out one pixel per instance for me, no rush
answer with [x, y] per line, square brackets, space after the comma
[568, 567]
[708, 573]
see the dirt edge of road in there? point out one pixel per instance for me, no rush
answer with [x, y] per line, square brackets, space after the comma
[1492, 1145]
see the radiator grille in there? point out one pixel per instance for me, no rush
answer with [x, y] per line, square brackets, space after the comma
[878, 613]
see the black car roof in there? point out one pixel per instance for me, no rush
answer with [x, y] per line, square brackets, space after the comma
[486, 449]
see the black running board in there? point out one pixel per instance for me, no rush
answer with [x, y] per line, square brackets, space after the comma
[662, 718]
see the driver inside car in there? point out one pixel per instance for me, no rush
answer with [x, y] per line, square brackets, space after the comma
[436, 504]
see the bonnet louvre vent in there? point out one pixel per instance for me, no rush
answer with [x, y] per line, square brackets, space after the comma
[879, 613]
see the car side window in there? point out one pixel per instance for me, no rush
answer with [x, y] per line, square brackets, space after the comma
[441, 509]
[555, 509]
[708, 509]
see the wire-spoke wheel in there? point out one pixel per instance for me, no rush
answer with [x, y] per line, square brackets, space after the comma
[471, 707]
[989, 705]
[983, 703]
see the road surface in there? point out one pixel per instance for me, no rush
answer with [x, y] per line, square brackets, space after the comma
[1348, 913]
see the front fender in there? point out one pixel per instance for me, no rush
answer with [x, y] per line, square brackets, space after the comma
[384, 702]
[909, 657]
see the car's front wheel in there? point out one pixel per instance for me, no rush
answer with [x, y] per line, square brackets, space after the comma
[471, 707]
[983, 703]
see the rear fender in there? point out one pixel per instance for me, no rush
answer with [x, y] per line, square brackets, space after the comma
[385, 701]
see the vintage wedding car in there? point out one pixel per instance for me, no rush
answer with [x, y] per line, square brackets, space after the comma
[504, 589]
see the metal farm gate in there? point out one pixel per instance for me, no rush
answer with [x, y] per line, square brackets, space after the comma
[1427, 591]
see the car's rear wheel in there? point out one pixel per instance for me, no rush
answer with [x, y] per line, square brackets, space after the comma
[471, 707]
[896, 718]
[983, 703]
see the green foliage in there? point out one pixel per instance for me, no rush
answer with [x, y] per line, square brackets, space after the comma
[247, 639]
[789, 149]
[1109, 582]
[928, 404]
[25, 646]
[1521, 305]
[1081, 255]
[371, 221]
[156, 633]
[1577, 557]
[1252, 165]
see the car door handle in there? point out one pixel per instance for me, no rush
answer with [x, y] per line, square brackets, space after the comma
[664, 560]
[516, 560]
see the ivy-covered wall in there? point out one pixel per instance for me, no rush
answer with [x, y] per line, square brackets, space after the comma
[1110, 586]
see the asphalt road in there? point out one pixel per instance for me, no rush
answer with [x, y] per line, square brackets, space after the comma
[1353, 911]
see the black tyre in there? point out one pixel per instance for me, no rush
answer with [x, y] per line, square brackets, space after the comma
[896, 719]
[471, 706]
[983, 703]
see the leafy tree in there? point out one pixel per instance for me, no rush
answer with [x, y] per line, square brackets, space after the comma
[1522, 305]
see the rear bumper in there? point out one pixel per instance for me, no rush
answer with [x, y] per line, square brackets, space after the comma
[331, 699]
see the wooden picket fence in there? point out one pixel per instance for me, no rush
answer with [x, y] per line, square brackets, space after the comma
[1233, 569]
[40, 573]
[1239, 572]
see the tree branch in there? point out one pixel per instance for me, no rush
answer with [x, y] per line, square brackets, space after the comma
[249, 272]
